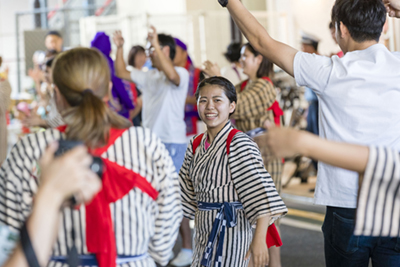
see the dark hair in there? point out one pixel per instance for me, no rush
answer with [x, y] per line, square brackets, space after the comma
[232, 53]
[223, 83]
[331, 25]
[167, 40]
[55, 33]
[363, 18]
[1, 61]
[266, 66]
[133, 53]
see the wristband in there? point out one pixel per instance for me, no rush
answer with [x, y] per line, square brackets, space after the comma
[223, 3]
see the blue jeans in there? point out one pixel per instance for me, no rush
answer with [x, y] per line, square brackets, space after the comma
[343, 248]
[177, 153]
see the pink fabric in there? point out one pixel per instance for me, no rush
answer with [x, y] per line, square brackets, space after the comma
[207, 144]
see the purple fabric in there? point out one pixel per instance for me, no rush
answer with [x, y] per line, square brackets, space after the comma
[102, 42]
[182, 45]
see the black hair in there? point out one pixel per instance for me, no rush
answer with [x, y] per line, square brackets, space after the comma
[331, 25]
[223, 83]
[232, 53]
[363, 18]
[167, 40]
[133, 53]
[313, 44]
[266, 66]
[55, 33]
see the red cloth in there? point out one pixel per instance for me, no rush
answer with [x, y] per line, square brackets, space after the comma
[340, 54]
[117, 182]
[273, 237]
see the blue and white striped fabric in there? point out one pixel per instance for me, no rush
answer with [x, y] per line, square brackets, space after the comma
[226, 217]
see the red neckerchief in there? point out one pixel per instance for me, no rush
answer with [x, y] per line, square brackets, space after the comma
[276, 109]
[117, 182]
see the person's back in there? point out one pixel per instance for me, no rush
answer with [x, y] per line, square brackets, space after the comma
[126, 222]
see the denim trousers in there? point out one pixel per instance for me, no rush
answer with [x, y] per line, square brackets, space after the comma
[344, 249]
[177, 153]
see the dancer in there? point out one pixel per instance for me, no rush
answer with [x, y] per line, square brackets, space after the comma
[224, 182]
[134, 220]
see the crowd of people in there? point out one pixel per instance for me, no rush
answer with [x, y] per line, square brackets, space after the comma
[158, 170]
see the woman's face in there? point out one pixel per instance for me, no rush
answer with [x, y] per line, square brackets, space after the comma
[249, 62]
[214, 107]
[140, 60]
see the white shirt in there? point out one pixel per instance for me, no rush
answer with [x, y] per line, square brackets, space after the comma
[163, 103]
[359, 102]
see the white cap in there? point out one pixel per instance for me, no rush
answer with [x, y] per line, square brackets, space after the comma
[308, 38]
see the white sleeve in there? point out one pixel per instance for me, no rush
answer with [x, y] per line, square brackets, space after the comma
[378, 208]
[139, 78]
[312, 70]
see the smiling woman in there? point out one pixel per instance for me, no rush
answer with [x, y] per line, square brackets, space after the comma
[224, 184]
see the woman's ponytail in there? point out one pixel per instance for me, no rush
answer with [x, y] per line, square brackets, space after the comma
[89, 119]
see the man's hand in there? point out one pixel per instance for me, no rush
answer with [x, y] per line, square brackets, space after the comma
[152, 37]
[281, 142]
[392, 7]
[118, 39]
[211, 69]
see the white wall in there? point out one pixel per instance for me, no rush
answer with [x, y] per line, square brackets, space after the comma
[8, 36]
[311, 16]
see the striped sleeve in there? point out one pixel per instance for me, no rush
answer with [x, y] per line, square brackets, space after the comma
[254, 102]
[188, 196]
[18, 178]
[169, 215]
[253, 183]
[378, 209]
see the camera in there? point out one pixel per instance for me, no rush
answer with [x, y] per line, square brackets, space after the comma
[97, 165]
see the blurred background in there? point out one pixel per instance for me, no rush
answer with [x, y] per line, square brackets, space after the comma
[207, 29]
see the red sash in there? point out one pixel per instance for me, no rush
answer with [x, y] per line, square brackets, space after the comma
[273, 238]
[278, 112]
[117, 182]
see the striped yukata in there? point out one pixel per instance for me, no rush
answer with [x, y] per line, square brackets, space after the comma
[378, 209]
[251, 112]
[213, 176]
[141, 225]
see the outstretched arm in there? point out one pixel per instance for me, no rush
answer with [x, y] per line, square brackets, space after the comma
[165, 63]
[277, 52]
[285, 142]
[119, 64]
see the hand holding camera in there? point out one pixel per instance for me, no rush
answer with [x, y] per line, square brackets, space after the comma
[66, 172]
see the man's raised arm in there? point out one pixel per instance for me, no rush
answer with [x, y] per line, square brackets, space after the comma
[277, 52]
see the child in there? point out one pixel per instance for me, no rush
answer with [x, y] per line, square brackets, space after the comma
[224, 184]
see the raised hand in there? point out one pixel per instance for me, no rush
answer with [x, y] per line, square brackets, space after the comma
[152, 37]
[392, 7]
[211, 69]
[118, 39]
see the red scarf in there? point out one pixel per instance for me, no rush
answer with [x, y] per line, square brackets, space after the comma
[117, 182]
[278, 112]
